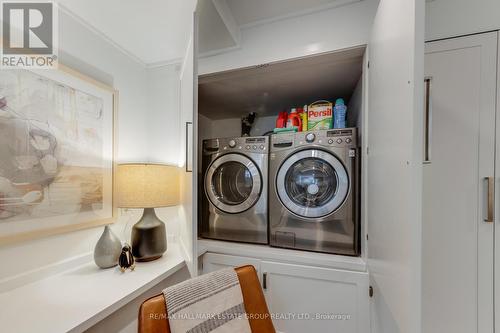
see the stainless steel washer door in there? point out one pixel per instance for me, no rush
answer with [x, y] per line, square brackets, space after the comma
[312, 183]
[233, 183]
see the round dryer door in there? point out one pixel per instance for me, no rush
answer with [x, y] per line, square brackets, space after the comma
[233, 183]
[312, 183]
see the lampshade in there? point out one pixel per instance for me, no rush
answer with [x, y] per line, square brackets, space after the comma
[147, 185]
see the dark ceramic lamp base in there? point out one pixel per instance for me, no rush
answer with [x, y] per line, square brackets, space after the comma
[149, 238]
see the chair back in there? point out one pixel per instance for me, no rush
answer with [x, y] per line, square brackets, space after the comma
[153, 311]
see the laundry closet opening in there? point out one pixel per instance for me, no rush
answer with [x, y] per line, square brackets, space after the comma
[247, 101]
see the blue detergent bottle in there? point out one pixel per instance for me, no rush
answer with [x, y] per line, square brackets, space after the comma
[339, 114]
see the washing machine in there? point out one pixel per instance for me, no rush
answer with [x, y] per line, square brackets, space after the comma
[235, 183]
[314, 191]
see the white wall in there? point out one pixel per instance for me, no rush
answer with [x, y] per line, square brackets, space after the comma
[84, 48]
[355, 108]
[147, 101]
[332, 29]
[225, 128]
[163, 118]
[263, 125]
[450, 18]
[204, 127]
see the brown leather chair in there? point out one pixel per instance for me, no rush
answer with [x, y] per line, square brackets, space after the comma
[153, 312]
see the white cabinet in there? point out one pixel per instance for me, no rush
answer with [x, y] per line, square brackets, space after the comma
[394, 165]
[458, 233]
[213, 262]
[496, 272]
[316, 300]
[188, 151]
[305, 298]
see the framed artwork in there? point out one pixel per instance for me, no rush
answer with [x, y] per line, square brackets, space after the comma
[56, 153]
[189, 147]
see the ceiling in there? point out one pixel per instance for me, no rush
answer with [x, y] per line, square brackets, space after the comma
[150, 30]
[280, 86]
[155, 31]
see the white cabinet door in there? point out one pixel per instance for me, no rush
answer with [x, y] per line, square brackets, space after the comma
[316, 300]
[457, 261]
[188, 152]
[213, 262]
[394, 184]
[497, 203]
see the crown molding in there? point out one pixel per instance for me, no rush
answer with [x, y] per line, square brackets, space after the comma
[212, 53]
[172, 62]
[338, 3]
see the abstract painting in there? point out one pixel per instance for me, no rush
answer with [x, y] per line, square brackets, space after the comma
[56, 151]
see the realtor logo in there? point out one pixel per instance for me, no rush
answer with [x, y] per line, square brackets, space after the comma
[29, 35]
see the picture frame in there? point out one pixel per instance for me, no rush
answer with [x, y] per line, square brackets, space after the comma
[80, 193]
[189, 146]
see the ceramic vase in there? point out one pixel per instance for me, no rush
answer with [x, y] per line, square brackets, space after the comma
[108, 249]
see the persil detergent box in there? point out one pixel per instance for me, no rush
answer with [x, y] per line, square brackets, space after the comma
[319, 115]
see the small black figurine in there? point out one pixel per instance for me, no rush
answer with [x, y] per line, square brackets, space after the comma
[246, 124]
[126, 259]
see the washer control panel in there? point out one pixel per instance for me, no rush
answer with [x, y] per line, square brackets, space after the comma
[340, 138]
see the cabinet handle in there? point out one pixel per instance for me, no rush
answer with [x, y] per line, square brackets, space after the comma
[264, 281]
[427, 120]
[189, 146]
[490, 190]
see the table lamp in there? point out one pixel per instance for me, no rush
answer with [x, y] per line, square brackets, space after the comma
[148, 186]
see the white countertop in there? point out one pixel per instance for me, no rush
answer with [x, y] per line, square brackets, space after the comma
[79, 298]
[266, 252]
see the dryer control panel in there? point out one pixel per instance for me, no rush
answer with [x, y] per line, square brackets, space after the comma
[254, 144]
[339, 138]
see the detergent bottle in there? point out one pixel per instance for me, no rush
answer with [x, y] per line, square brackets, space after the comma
[339, 114]
[294, 120]
[281, 120]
